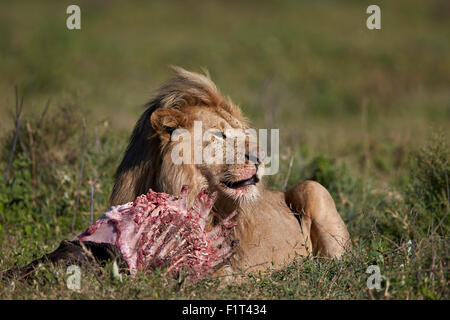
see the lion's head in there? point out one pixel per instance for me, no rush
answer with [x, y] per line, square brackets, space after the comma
[181, 105]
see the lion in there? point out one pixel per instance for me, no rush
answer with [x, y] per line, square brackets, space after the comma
[273, 226]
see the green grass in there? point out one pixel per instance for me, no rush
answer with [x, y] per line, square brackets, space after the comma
[363, 112]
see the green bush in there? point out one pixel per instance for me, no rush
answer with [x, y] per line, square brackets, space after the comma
[427, 195]
[334, 176]
[38, 199]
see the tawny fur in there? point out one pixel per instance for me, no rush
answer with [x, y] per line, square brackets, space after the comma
[272, 226]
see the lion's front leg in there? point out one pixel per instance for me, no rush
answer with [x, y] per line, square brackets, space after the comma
[328, 233]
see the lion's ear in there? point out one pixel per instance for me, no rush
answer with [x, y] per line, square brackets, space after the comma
[167, 120]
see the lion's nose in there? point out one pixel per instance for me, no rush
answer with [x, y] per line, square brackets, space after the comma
[253, 159]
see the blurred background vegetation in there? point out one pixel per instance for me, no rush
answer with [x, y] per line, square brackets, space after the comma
[366, 113]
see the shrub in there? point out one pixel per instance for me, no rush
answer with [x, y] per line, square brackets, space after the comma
[427, 195]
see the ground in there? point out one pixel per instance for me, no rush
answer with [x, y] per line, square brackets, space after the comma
[363, 112]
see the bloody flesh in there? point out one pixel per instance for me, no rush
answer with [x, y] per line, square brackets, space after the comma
[158, 230]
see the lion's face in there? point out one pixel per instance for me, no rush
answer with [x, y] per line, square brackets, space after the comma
[185, 100]
[235, 176]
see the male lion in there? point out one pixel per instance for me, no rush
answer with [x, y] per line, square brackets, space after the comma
[272, 226]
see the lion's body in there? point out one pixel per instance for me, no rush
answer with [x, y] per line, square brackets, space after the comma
[273, 226]
[269, 234]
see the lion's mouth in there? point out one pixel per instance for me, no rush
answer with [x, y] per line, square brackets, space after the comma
[242, 183]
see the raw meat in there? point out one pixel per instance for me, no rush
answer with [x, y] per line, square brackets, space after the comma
[157, 230]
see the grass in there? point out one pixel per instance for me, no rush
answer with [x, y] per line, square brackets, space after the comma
[363, 112]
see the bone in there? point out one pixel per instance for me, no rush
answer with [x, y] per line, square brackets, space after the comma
[157, 230]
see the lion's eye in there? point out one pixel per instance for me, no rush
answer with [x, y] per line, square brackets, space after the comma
[220, 135]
